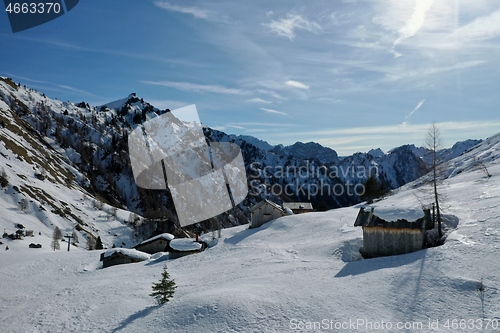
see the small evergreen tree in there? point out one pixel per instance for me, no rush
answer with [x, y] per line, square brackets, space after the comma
[373, 189]
[98, 244]
[4, 179]
[164, 290]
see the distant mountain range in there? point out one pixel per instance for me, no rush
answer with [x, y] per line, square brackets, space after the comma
[84, 149]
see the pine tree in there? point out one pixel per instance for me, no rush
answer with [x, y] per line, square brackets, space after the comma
[163, 290]
[373, 189]
[98, 244]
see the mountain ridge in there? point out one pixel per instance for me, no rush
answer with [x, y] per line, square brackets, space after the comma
[91, 142]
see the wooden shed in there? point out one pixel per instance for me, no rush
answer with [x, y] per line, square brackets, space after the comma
[119, 256]
[263, 212]
[391, 231]
[155, 244]
[298, 207]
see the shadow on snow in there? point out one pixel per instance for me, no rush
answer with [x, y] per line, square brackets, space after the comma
[370, 265]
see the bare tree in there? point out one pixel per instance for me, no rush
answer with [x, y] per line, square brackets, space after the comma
[434, 143]
[55, 239]
[23, 204]
[112, 213]
[483, 167]
[91, 242]
[74, 236]
[133, 218]
[57, 234]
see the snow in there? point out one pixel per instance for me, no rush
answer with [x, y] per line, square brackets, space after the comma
[394, 213]
[132, 253]
[295, 271]
[185, 244]
[165, 236]
[288, 275]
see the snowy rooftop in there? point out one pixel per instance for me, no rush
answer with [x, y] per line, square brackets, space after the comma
[165, 236]
[185, 244]
[128, 252]
[395, 213]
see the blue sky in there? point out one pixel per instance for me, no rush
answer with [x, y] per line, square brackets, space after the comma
[352, 75]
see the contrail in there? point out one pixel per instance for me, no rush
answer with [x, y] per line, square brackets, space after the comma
[414, 24]
[419, 105]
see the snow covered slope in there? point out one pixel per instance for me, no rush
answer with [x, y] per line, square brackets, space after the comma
[44, 187]
[297, 273]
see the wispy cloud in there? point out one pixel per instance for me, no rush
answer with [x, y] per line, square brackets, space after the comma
[236, 126]
[348, 140]
[414, 24]
[296, 84]
[271, 93]
[166, 103]
[259, 100]
[197, 12]
[274, 111]
[48, 85]
[408, 116]
[430, 71]
[187, 86]
[114, 52]
[286, 27]
[482, 28]
[262, 124]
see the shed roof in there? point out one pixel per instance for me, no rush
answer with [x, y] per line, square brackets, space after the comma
[132, 253]
[185, 244]
[409, 218]
[165, 236]
[298, 205]
[266, 202]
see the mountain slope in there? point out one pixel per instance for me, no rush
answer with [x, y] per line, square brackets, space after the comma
[85, 148]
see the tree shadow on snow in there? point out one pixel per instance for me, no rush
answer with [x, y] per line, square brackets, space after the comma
[369, 265]
[450, 221]
[138, 315]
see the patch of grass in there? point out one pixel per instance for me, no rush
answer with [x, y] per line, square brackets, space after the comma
[9, 82]
[52, 163]
[21, 153]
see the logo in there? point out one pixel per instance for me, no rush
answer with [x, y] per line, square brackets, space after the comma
[31, 13]
[171, 151]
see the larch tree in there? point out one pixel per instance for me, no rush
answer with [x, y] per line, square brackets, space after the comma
[434, 143]
[55, 239]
